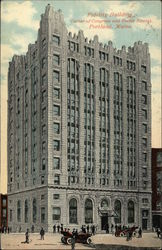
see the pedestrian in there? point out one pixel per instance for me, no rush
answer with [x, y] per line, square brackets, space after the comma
[93, 229]
[8, 230]
[158, 232]
[61, 227]
[112, 228]
[32, 229]
[87, 228]
[42, 233]
[73, 240]
[107, 228]
[140, 233]
[116, 227]
[54, 228]
[58, 228]
[27, 236]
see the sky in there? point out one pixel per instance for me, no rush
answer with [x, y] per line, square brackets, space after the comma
[137, 21]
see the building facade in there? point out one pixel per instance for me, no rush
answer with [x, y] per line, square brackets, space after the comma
[157, 187]
[3, 211]
[79, 131]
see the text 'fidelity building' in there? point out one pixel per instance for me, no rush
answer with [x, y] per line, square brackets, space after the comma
[79, 131]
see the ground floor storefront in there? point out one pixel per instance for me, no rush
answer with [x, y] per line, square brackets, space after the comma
[73, 208]
[157, 219]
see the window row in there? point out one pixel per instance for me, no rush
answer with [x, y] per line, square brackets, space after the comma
[131, 65]
[73, 46]
[103, 56]
[117, 61]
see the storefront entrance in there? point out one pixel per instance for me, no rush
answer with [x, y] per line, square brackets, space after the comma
[104, 222]
[144, 224]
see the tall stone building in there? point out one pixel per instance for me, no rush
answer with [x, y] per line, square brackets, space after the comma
[79, 131]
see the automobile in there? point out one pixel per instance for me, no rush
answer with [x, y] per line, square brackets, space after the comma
[84, 238]
[124, 232]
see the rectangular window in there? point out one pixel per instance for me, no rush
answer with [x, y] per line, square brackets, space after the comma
[56, 93]
[56, 76]
[56, 40]
[145, 201]
[92, 51]
[72, 46]
[43, 43]
[43, 79]
[143, 68]
[56, 196]
[43, 95]
[144, 142]
[57, 179]
[88, 51]
[42, 197]
[43, 113]
[43, 62]
[56, 213]
[144, 85]
[56, 145]
[56, 127]
[34, 180]
[144, 174]
[43, 130]
[4, 212]
[56, 59]
[42, 179]
[56, 163]
[144, 157]
[43, 164]
[120, 62]
[144, 113]
[42, 214]
[56, 110]
[43, 147]
[144, 128]
[10, 215]
[4, 202]
[144, 99]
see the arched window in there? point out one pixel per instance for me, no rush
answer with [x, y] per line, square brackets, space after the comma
[88, 211]
[117, 208]
[73, 211]
[34, 210]
[130, 212]
[104, 203]
[26, 211]
[19, 211]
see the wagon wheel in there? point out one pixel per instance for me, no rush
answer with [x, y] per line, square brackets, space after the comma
[121, 234]
[134, 234]
[69, 241]
[63, 239]
[89, 240]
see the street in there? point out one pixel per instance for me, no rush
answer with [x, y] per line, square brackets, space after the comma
[100, 241]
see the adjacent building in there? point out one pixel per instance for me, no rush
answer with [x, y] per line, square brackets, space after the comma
[3, 211]
[79, 131]
[157, 187]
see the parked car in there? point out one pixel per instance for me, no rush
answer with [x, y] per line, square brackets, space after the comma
[124, 232]
[84, 238]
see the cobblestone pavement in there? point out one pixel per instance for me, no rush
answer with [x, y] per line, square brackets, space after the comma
[100, 241]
